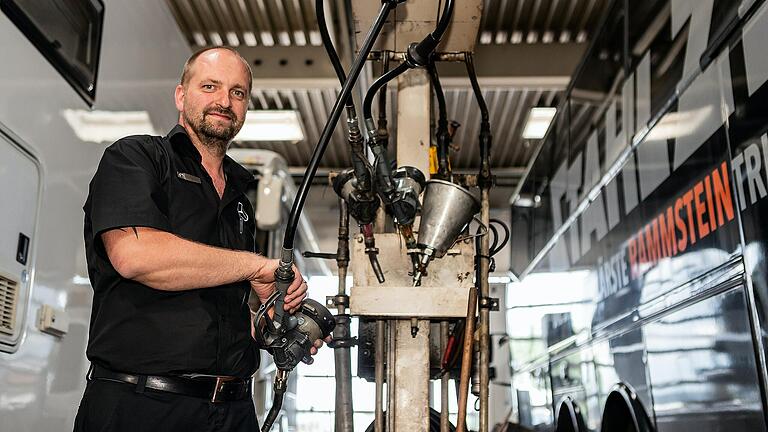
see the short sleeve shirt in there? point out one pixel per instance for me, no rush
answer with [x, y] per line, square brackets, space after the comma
[159, 182]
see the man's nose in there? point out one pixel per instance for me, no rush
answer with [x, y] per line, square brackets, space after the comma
[224, 99]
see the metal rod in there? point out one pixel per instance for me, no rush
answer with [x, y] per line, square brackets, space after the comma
[466, 360]
[484, 312]
[342, 355]
[444, 380]
[379, 374]
[400, 56]
[392, 332]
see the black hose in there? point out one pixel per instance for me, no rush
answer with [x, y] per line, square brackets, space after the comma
[328, 43]
[379, 83]
[445, 20]
[383, 94]
[507, 234]
[356, 143]
[419, 53]
[273, 412]
[485, 125]
[470, 63]
[435, 78]
[442, 134]
[325, 137]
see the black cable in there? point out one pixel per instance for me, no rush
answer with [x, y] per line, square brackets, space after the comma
[470, 63]
[442, 134]
[418, 53]
[273, 412]
[485, 125]
[507, 235]
[383, 92]
[439, 94]
[325, 137]
[445, 19]
[328, 43]
[495, 241]
[379, 83]
[359, 161]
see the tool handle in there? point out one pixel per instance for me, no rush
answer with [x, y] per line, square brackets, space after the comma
[284, 276]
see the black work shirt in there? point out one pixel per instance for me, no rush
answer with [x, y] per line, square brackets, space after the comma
[160, 182]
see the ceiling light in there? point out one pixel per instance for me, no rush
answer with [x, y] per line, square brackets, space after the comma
[108, 126]
[526, 201]
[271, 125]
[538, 122]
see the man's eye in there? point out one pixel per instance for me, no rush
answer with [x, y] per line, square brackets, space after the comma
[239, 93]
[208, 86]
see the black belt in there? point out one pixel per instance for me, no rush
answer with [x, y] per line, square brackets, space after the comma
[215, 389]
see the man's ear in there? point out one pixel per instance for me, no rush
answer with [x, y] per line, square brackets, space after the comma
[178, 97]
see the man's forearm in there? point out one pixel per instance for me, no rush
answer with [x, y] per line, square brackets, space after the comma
[164, 261]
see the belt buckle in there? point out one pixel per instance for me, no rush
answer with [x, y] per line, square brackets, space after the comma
[220, 382]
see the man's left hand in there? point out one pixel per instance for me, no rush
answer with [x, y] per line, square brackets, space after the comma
[297, 292]
[319, 344]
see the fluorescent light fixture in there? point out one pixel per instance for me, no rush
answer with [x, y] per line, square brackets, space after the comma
[271, 125]
[108, 126]
[538, 122]
[526, 201]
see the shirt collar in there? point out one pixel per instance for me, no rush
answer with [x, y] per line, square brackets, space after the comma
[238, 176]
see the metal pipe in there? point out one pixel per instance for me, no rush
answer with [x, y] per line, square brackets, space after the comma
[379, 375]
[466, 360]
[484, 263]
[444, 380]
[456, 57]
[342, 355]
[392, 334]
[344, 408]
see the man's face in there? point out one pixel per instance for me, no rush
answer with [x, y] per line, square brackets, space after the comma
[215, 98]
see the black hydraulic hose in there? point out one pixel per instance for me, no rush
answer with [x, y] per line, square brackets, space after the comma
[383, 94]
[379, 83]
[419, 53]
[325, 137]
[443, 136]
[445, 20]
[439, 94]
[356, 142]
[327, 42]
[470, 63]
[507, 235]
[485, 125]
[273, 412]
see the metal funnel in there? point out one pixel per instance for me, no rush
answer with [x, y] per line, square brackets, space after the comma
[446, 210]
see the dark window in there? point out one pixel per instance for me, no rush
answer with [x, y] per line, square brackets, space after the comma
[67, 33]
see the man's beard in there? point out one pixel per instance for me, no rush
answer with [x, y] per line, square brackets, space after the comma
[216, 138]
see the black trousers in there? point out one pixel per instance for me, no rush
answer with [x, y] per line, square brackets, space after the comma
[116, 407]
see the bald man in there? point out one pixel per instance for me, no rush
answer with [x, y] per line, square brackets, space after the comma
[169, 236]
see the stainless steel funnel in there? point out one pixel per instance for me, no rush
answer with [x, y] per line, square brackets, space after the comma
[446, 210]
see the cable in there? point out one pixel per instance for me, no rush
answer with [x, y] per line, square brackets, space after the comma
[379, 83]
[485, 125]
[470, 64]
[419, 53]
[273, 412]
[507, 235]
[383, 94]
[360, 163]
[325, 137]
[333, 56]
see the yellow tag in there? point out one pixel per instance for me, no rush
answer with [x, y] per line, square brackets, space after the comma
[433, 160]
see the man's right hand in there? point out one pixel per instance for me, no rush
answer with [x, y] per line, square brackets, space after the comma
[263, 284]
